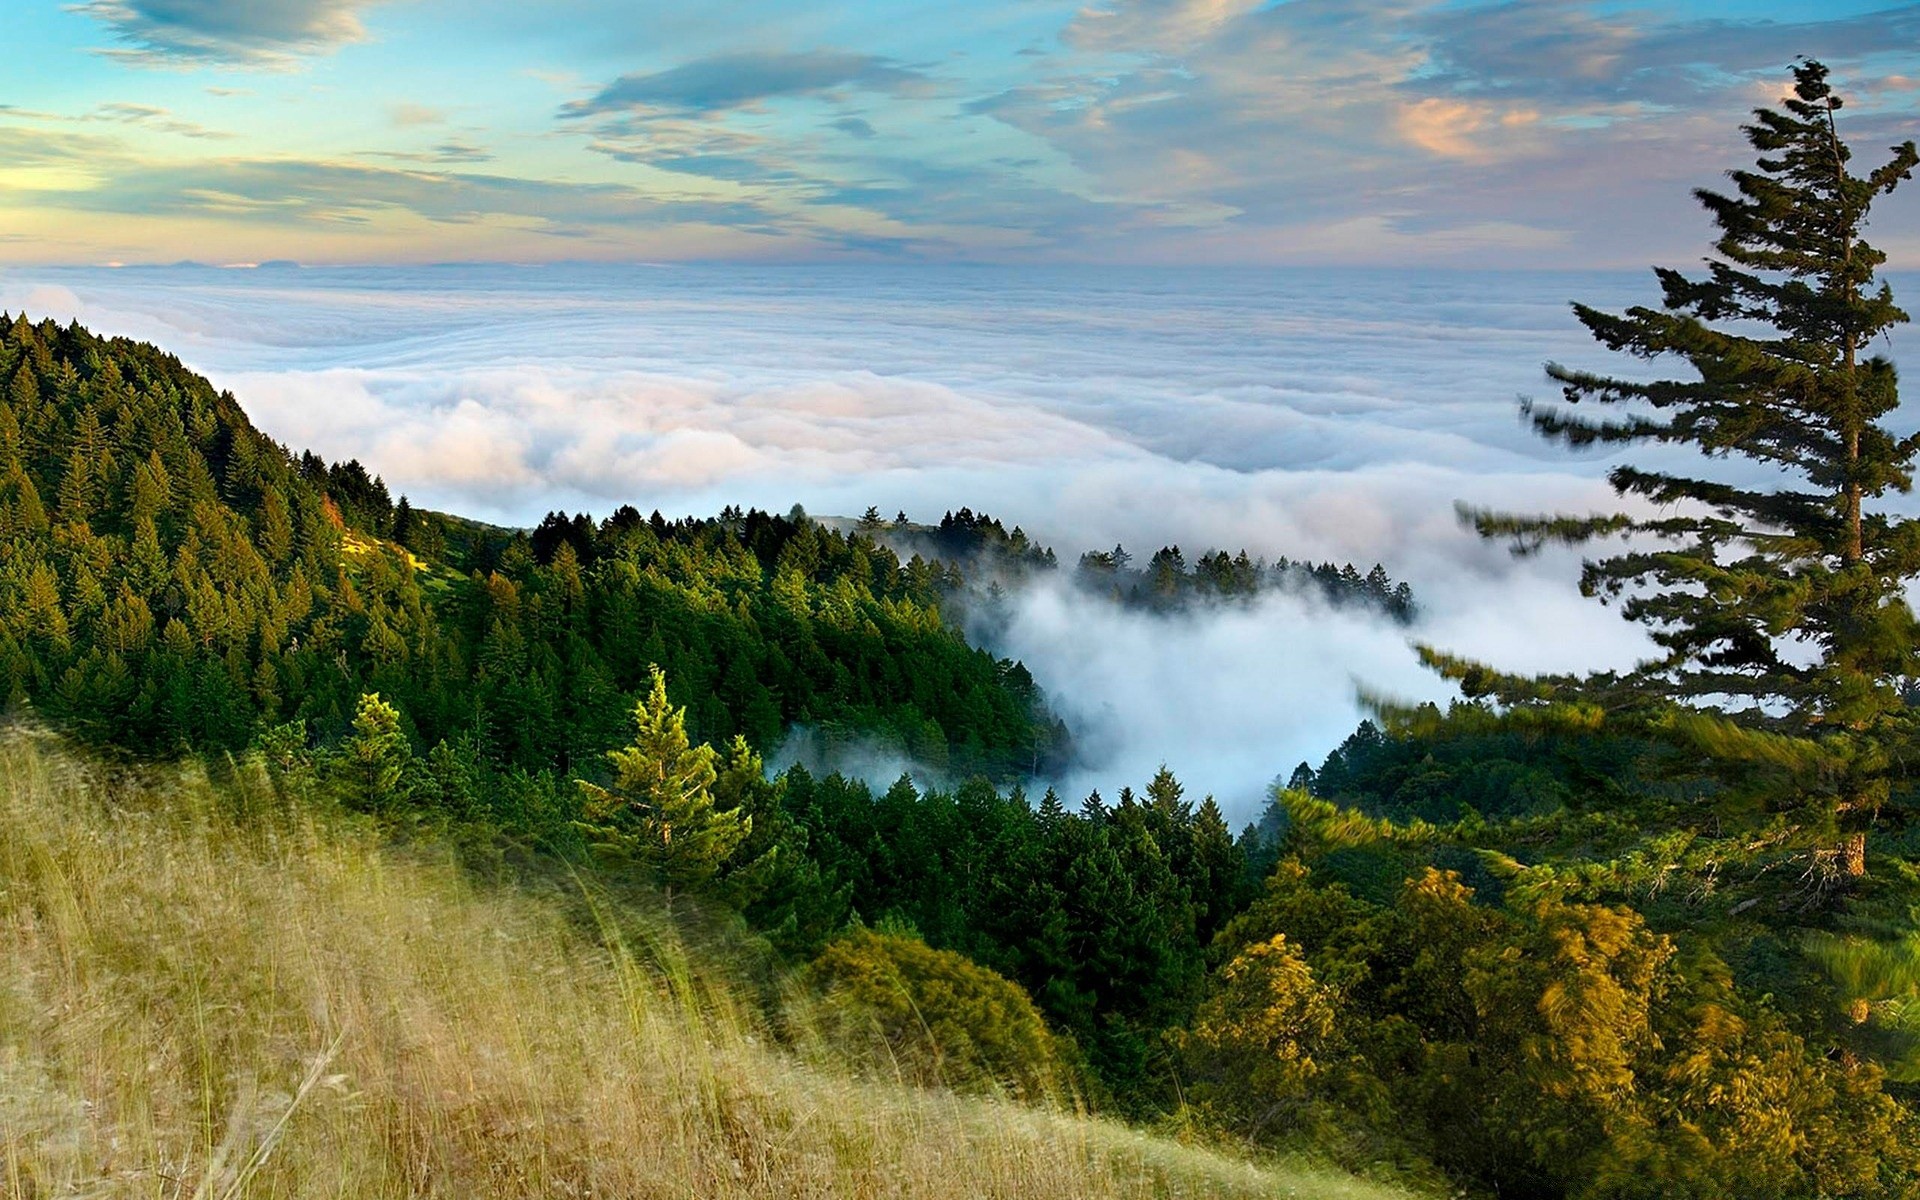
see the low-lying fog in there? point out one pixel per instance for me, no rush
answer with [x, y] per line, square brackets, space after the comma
[1316, 414]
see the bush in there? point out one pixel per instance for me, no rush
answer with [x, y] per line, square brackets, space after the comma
[1539, 1048]
[896, 1005]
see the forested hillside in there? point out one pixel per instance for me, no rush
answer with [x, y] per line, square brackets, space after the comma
[170, 577]
[193, 586]
[980, 558]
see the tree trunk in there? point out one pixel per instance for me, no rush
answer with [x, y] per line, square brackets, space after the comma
[1853, 854]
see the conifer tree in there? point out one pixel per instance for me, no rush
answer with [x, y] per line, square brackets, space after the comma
[1776, 590]
[661, 808]
[375, 755]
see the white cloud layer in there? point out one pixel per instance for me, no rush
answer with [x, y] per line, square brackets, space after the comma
[1324, 415]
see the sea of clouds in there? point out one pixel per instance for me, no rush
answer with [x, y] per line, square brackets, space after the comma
[1313, 413]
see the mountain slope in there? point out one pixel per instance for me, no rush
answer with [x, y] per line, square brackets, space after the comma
[171, 577]
[212, 991]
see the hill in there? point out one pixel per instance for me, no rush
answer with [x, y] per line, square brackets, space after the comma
[170, 578]
[216, 992]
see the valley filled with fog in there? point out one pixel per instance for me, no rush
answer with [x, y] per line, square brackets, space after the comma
[1326, 415]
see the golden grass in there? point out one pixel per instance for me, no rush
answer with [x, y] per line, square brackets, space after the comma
[207, 992]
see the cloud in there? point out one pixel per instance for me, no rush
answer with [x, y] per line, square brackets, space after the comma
[289, 192]
[459, 150]
[452, 152]
[430, 197]
[149, 116]
[731, 81]
[248, 33]
[1458, 128]
[1231, 697]
[58, 161]
[1319, 414]
[1575, 53]
[1218, 127]
[1471, 133]
[409, 116]
[728, 126]
[146, 116]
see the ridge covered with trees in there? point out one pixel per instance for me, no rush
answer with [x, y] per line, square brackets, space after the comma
[170, 577]
[980, 558]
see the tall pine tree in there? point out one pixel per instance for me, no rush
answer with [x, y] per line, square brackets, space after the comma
[1776, 593]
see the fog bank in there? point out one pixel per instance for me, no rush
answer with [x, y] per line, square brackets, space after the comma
[1327, 415]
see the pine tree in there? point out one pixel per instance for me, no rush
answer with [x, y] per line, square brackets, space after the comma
[374, 757]
[403, 531]
[23, 393]
[661, 809]
[1729, 574]
[75, 497]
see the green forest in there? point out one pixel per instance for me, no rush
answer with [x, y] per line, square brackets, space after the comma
[1649, 933]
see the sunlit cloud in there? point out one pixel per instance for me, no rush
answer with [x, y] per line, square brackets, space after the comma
[408, 115]
[1511, 132]
[1459, 128]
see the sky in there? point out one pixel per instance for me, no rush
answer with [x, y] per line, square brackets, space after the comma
[1517, 133]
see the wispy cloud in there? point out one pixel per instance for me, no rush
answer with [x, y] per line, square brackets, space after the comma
[733, 80]
[1257, 125]
[452, 152]
[409, 116]
[149, 116]
[145, 116]
[99, 174]
[251, 33]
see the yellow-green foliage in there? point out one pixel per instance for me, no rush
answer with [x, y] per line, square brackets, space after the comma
[931, 1016]
[1541, 1048]
[661, 808]
[1255, 1037]
[211, 993]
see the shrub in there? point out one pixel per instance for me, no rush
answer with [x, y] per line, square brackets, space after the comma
[897, 1005]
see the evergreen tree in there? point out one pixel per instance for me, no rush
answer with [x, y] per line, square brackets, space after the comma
[661, 809]
[375, 755]
[1730, 573]
[403, 522]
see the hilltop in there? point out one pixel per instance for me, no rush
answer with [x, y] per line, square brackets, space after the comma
[174, 578]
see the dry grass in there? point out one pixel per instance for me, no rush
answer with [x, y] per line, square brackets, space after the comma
[208, 993]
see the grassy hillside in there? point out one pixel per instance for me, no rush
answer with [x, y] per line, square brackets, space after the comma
[213, 992]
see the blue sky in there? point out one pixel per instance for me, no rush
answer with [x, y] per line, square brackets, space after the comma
[1550, 133]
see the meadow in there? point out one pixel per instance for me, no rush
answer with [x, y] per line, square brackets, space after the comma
[216, 990]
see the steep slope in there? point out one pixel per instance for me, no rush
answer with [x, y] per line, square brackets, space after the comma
[214, 993]
[171, 577]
